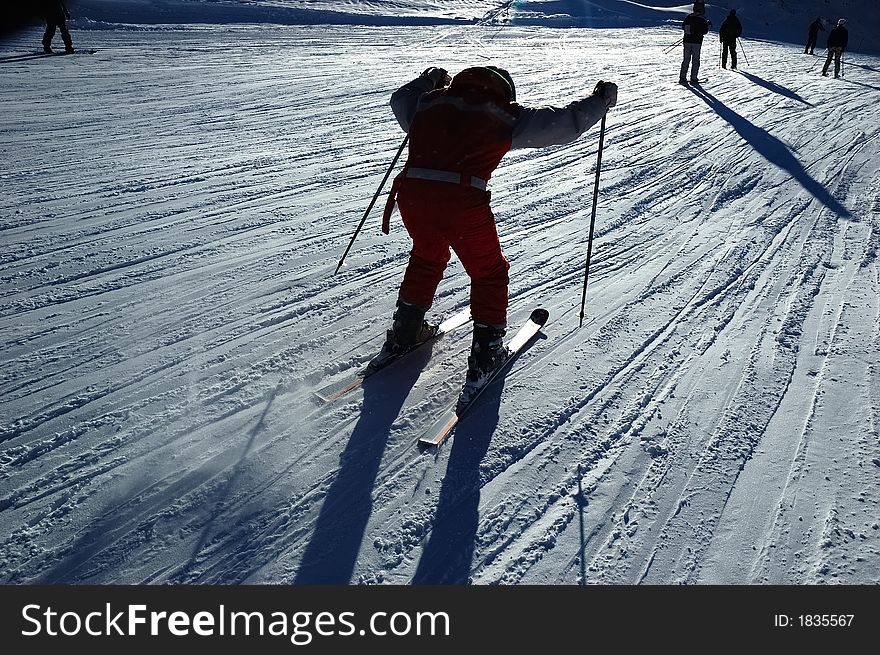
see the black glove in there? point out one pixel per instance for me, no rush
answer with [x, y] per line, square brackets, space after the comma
[607, 91]
[438, 76]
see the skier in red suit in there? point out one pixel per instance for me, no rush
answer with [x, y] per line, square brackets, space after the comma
[459, 130]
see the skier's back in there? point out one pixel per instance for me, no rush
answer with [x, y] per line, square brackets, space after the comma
[813, 35]
[838, 39]
[695, 27]
[729, 32]
[459, 130]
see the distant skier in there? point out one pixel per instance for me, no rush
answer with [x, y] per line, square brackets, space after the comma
[55, 12]
[459, 130]
[695, 27]
[812, 35]
[837, 42]
[729, 32]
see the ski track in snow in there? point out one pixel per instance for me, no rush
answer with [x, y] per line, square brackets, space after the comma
[176, 206]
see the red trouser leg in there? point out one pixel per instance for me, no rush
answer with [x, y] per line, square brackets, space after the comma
[430, 250]
[479, 250]
[438, 216]
[427, 261]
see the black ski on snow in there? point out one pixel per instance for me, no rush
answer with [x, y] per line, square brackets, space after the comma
[443, 426]
[336, 390]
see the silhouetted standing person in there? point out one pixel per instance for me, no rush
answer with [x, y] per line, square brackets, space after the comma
[837, 42]
[729, 32]
[56, 14]
[695, 27]
[812, 35]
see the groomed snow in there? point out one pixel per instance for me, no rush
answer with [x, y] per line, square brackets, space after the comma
[174, 207]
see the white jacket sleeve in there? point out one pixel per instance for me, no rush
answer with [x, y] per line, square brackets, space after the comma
[406, 98]
[550, 126]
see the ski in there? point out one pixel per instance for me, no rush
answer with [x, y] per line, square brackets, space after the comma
[339, 389]
[75, 52]
[443, 426]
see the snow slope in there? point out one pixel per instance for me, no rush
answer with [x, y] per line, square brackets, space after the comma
[778, 20]
[175, 206]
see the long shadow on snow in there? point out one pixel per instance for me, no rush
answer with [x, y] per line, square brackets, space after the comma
[849, 64]
[867, 86]
[448, 556]
[775, 88]
[219, 500]
[331, 555]
[773, 150]
[106, 541]
[26, 56]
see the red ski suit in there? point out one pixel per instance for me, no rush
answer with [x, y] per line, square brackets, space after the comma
[457, 137]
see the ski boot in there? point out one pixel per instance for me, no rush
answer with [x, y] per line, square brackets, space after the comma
[488, 354]
[408, 330]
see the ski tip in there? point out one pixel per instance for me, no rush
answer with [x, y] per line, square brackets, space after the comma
[539, 316]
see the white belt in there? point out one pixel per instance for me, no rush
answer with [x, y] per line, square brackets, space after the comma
[447, 176]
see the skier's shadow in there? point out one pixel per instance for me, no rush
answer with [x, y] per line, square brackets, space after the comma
[331, 555]
[867, 86]
[447, 558]
[97, 548]
[775, 88]
[773, 150]
[33, 55]
[850, 64]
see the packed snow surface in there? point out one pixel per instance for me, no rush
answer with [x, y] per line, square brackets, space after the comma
[175, 205]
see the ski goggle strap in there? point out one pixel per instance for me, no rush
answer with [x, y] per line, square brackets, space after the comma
[508, 81]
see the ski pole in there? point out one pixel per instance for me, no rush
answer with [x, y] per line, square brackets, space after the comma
[673, 45]
[743, 50]
[816, 62]
[593, 217]
[372, 202]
